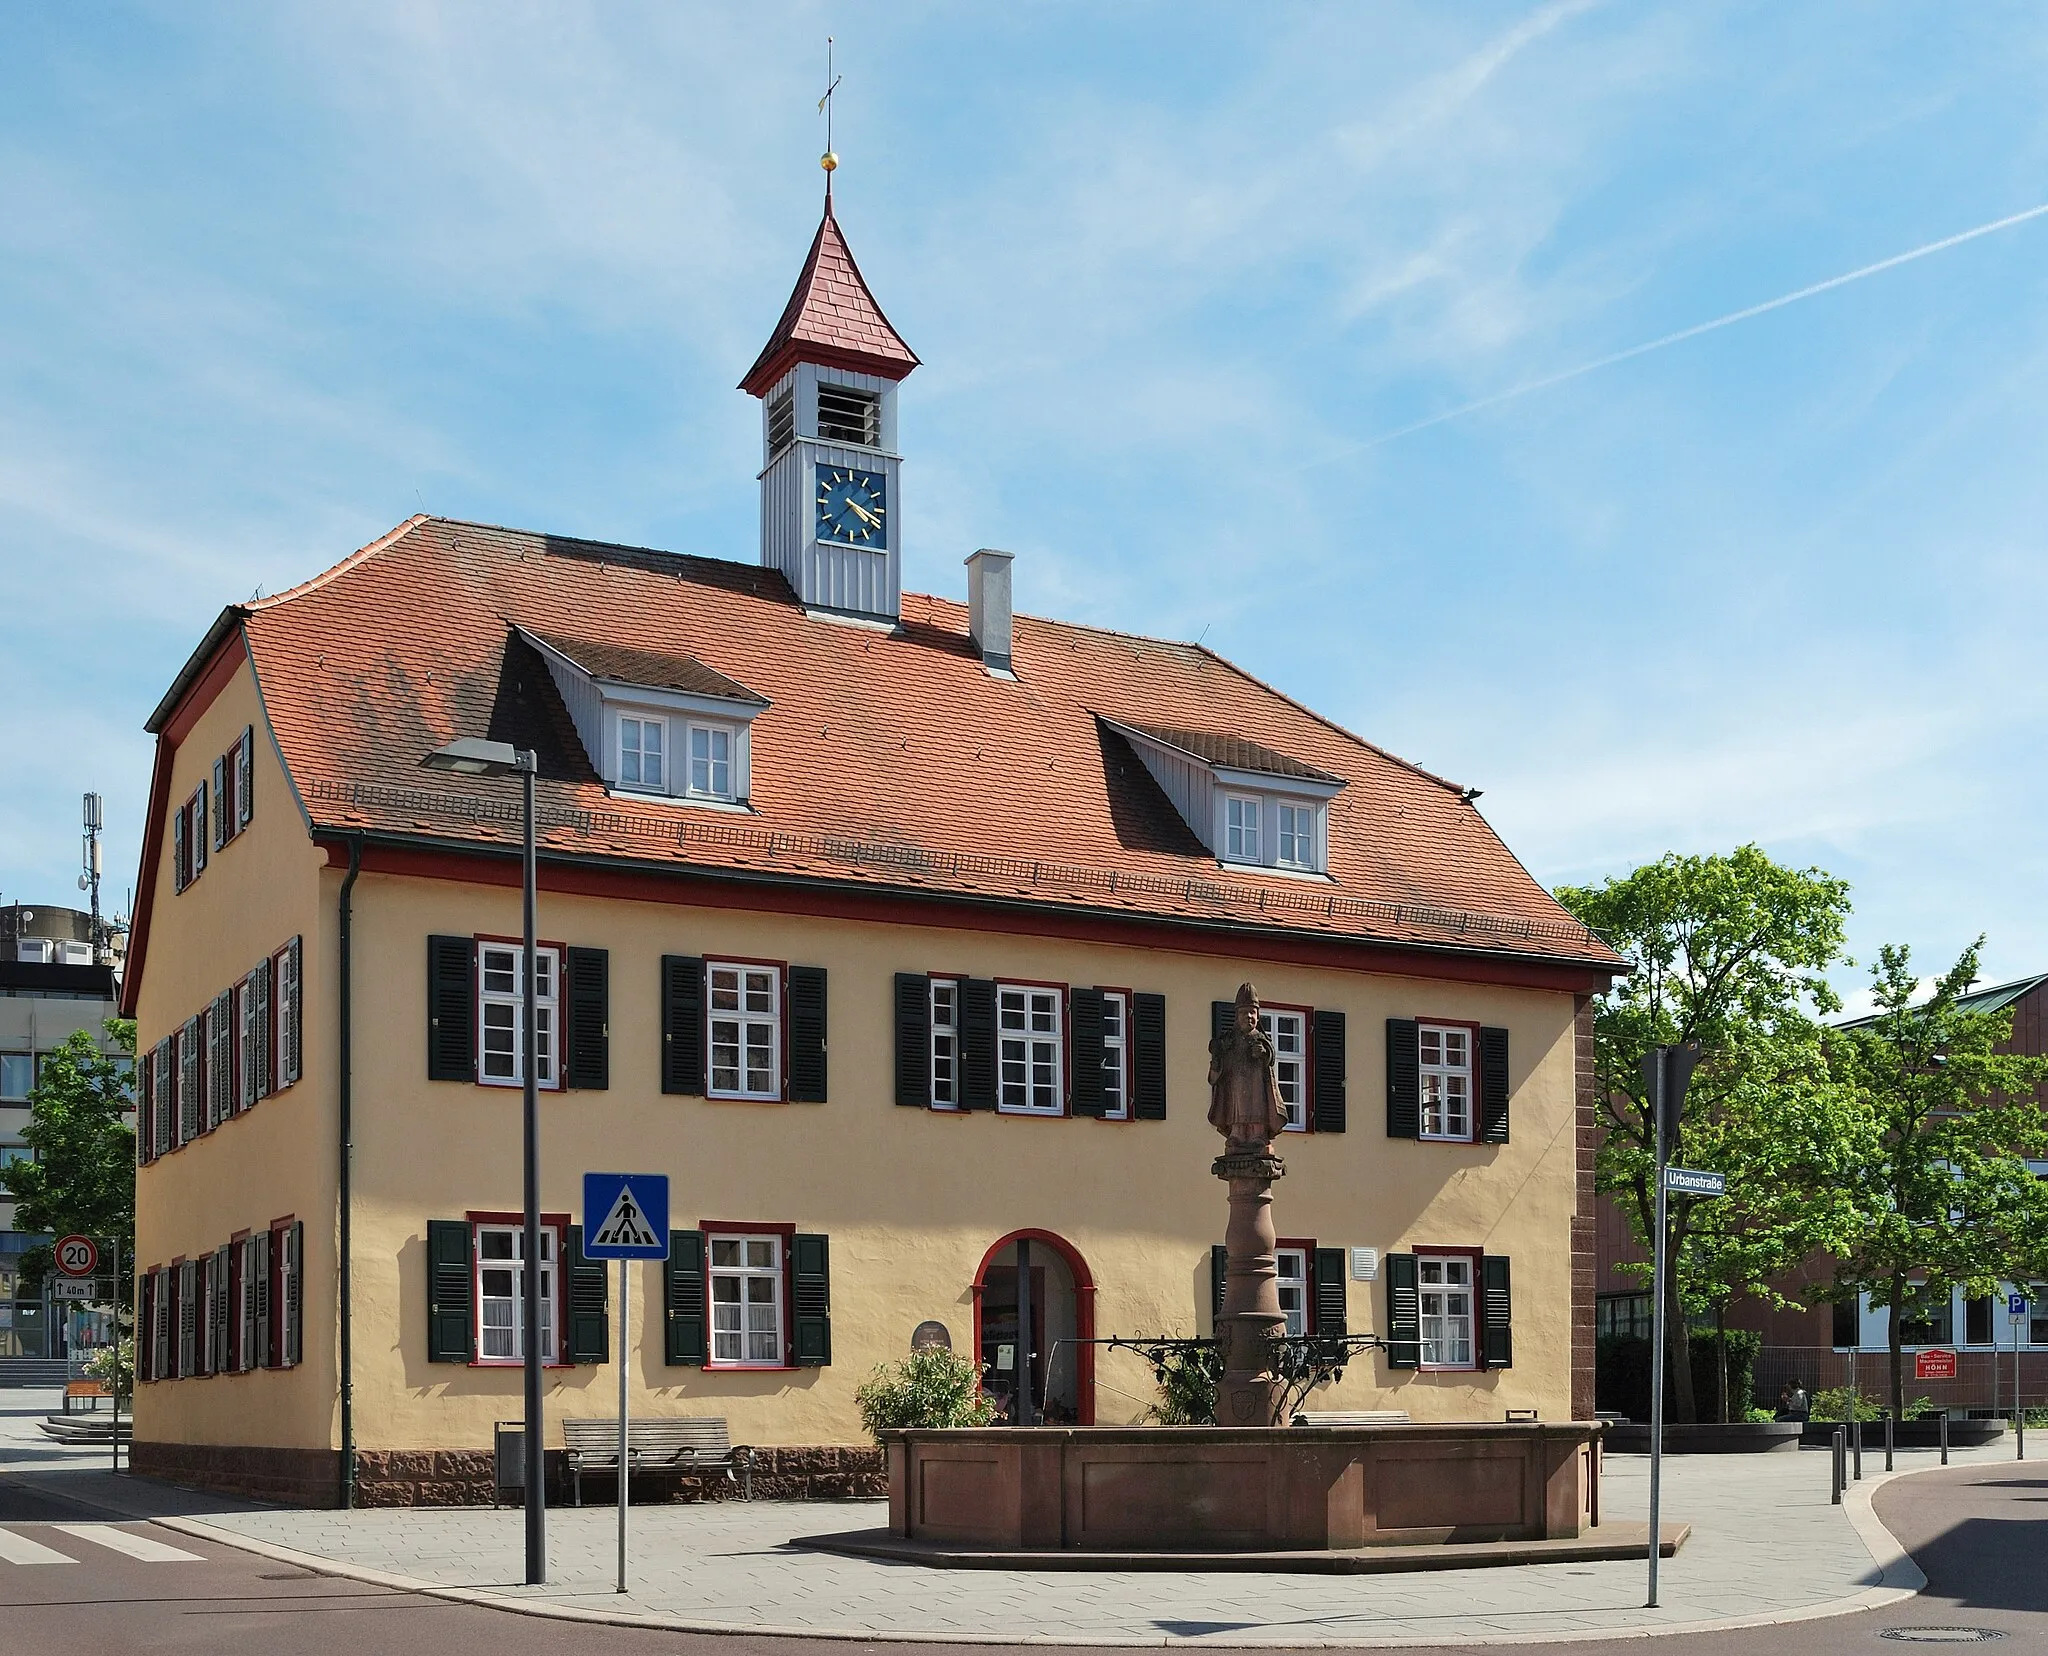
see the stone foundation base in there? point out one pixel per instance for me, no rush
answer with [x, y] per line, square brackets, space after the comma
[462, 1477]
[290, 1477]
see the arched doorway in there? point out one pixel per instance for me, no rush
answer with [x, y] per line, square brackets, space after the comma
[1060, 1295]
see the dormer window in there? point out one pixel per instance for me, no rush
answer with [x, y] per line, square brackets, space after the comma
[849, 416]
[1241, 828]
[642, 743]
[1252, 806]
[656, 725]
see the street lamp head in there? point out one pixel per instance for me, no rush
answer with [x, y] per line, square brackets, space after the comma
[474, 756]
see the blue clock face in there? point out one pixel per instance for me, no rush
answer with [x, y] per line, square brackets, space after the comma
[851, 506]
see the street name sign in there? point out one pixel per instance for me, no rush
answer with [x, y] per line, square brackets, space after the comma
[625, 1216]
[1934, 1365]
[77, 1256]
[1693, 1181]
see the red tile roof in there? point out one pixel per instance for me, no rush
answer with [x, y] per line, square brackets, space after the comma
[883, 760]
[832, 318]
[657, 669]
[1231, 752]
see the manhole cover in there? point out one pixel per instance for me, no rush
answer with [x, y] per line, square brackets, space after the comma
[1942, 1635]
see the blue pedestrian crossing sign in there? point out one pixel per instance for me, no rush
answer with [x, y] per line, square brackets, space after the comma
[625, 1216]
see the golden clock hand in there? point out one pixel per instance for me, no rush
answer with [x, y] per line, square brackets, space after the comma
[869, 518]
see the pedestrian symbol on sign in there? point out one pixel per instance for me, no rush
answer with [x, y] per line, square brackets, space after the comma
[625, 1226]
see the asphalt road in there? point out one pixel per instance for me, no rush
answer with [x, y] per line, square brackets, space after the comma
[1978, 1532]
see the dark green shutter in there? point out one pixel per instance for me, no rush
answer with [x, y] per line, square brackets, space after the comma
[590, 1324]
[685, 1343]
[1493, 1086]
[913, 1039]
[1222, 1016]
[1084, 1014]
[1404, 1312]
[1148, 1057]
[977, 1014]
[588, 975]
[294, 1296]
[810, 1285]
[1219, 1271]
[1327, 1056]
[682, 1025]
[1327, 1277]
[292, 1029]
[450, 1325]
[1496, 1309]
[1404, 1080]
[807, 1034]
[451, 1043]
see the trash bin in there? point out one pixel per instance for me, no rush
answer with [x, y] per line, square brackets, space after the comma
[508, 1462]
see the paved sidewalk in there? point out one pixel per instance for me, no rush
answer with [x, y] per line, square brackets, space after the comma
[1766, 1547]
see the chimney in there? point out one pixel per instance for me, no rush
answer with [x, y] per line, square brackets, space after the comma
[988, 607]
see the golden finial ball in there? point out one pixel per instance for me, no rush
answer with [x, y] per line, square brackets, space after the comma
[828, 161]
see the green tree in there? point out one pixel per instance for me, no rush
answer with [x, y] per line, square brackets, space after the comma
[83, 1175]
[1942, 1197]
[1726, 952]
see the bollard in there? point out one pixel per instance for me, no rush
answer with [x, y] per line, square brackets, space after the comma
[1887, 1443]
[1838, 1457]
[1944, 1437]
[1856, 1448]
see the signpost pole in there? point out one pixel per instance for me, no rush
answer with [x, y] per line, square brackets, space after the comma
[117, 1354]
[1658, 1080]
[625, 1351]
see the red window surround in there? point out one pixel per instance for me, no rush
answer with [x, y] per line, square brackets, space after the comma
[734, 1227]
[1471, 1028]
[560, 1222]
[1478, 1362]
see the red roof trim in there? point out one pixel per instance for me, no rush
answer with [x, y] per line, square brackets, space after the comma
[828, 900]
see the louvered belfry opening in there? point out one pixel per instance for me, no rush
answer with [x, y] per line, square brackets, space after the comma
[849, 416]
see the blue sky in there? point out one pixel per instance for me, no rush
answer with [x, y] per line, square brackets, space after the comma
[274, 276]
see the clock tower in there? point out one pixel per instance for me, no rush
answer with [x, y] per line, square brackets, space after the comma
[831, 514]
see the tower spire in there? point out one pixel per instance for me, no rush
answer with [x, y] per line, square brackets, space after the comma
[830, 159]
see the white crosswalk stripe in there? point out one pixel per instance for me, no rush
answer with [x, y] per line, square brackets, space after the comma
[19, 1549]
[131, 1542]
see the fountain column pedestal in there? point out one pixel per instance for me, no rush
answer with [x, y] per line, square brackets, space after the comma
[1251, 1318]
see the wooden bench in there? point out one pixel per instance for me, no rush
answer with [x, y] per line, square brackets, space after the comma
[677, 1443]
[1352, 1417]
[86, 1391]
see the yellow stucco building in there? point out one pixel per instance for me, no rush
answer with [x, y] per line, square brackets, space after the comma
[891, 929]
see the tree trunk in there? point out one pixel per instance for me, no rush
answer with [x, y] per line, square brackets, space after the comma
[1896, 1382]
[1685, 1410]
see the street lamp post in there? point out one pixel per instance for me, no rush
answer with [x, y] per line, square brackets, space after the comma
[473, 756]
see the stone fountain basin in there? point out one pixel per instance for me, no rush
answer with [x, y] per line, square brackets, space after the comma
[1218, 1489]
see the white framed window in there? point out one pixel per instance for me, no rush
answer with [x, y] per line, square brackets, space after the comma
[1240, 828]
[1445, 1284]
[501, 1007]
[501, 1293]
[945, 996]
[746, 1030]
[1028, 1050]
[1288, 1031]
[1116, 1066]
[17, 1077]
[1445, 1077]
[746, 1301]
[643, 753]
[1296, 837]
[710, 762]
[1294, 1289]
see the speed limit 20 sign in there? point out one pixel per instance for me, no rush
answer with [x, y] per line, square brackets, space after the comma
[77, 1256]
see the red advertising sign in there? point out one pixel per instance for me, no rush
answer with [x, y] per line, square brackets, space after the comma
[1934, 1365]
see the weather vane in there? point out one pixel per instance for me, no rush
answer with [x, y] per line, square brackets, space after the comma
[828, 160]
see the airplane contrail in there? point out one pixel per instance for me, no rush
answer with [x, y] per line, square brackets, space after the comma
[1693, 332]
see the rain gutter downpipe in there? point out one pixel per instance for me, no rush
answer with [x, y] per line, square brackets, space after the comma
[346, 1149]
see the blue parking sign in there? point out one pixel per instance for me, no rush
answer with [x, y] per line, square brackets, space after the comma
[625, 1216]
[2016, 1304]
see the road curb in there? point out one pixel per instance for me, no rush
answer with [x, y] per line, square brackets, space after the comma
[1899, 1578]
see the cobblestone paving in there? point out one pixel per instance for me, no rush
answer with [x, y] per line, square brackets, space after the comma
[1765, 1544]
